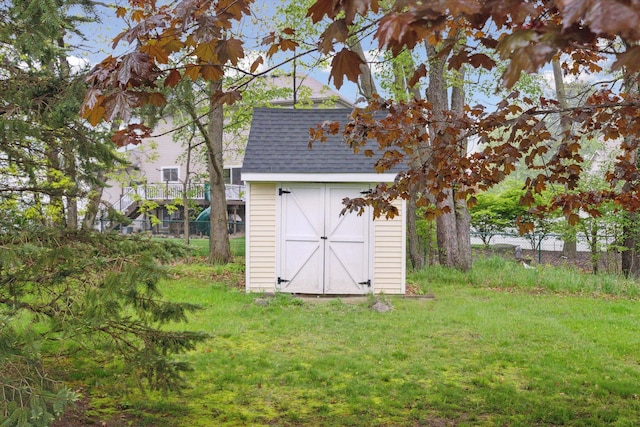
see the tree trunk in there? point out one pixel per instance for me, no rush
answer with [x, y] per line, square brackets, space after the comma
[72, 201]
[446, 233]
[219, 248]
[463, 237]
[185, 194]
[415, 254]
[453, 225]
[463, 217]
[631, 231]
[366, 85]
[631, 256]
[95, 197]
[57, 213]
[569, 247]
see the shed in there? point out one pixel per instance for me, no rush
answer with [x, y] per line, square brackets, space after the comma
[296, 239]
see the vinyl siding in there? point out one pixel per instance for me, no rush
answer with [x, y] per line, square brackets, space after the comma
[389, 253]
[261, 253]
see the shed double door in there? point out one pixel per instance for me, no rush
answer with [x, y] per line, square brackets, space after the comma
[321, 251]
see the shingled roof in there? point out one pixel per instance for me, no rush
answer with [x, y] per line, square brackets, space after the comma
[279, 139]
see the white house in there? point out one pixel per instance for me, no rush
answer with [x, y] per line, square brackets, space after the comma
[158, 165]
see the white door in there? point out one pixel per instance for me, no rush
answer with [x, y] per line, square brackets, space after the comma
[302, 246]
[322, 252]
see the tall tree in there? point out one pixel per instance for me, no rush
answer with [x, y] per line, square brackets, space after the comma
[396, 73]
[58, 284]
[198, 35]
[453, 224]
[50, 159]
[569, 248]
[631, 229]
[526, 35]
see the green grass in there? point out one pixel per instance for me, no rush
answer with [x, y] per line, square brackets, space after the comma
[497, 346]
[200, 247]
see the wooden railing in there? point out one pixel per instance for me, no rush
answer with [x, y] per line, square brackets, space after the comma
[171, 191]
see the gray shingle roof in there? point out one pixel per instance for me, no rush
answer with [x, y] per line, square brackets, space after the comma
[279, 138]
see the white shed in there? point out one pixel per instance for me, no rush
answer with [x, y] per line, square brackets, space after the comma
[296, 239]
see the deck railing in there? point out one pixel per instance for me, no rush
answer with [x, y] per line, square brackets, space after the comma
[171, 191]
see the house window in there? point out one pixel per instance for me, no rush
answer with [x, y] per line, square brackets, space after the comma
[232, 176]
[170, 218]
[235, 176]
[170, 174]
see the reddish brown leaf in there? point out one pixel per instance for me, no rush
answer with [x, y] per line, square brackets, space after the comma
[457, 60]
[604, 17]
[419, 73]
[132, 134]
[192, 71]
[397, 30]
[173, 78]
[273, 49]
[120, 104]
[287, 44]
[235, 8]
[229, 50]
[170, 42]
[489, 42]
[206, 52]
[95, 115]
[345, 63]
[320, 8]
[137, 15]
[336, 31]
[629, 59]
[481, 60]
[259, 61]
[228, 98]
[270, 39]
[353, 7]
[526, 59]
[156, 98]
[155, 51]
[92, 98]
[135, 65]
[573, 219]
[211, 72]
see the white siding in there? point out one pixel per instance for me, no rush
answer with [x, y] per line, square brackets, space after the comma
[388, 248]
[389, 272]
[153, 154]
[261, 237]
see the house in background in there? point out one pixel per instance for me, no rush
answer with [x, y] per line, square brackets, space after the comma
[296, 239]
[158, 167]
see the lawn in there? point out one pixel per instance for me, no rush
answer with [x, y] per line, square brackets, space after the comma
[498, 346]
[200, 247]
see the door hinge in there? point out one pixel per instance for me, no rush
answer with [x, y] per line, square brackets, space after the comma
[281, 280]
[367, 283]
[366, 192]
[281, 192]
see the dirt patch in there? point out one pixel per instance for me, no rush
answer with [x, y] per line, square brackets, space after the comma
[78, 415]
